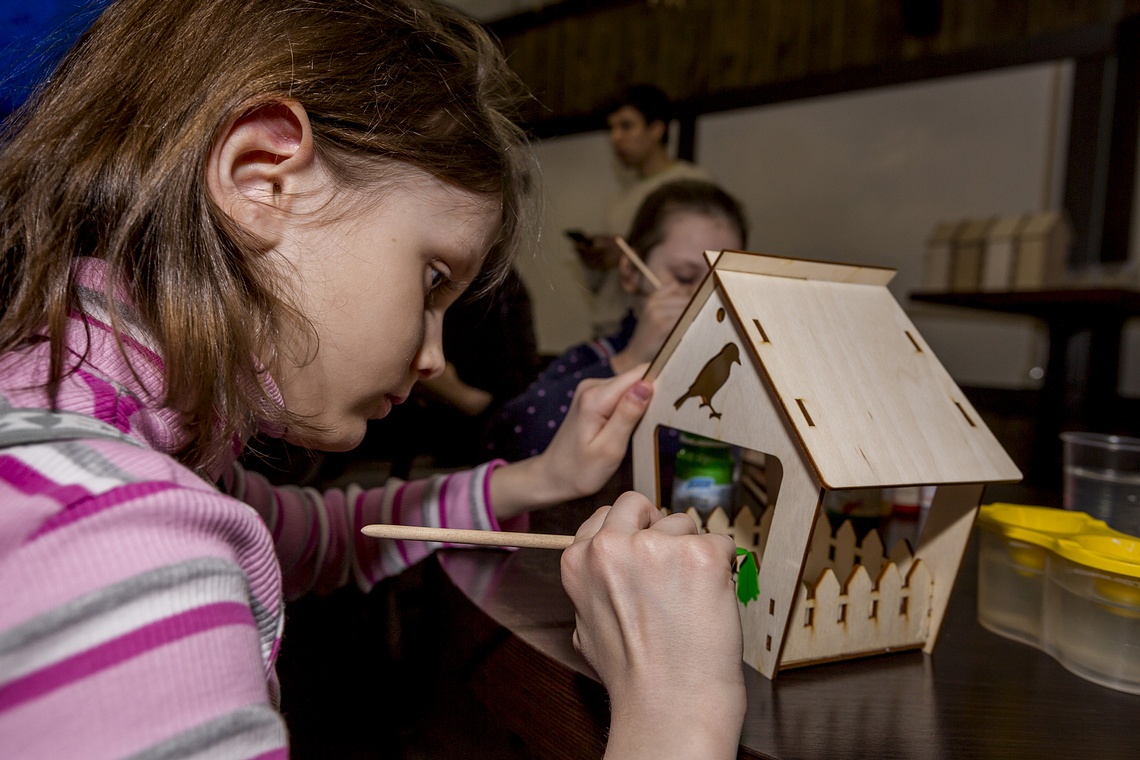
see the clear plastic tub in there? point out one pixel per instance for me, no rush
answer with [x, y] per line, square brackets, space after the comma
[1092, 609]
[1065, 583]
[1014, 545]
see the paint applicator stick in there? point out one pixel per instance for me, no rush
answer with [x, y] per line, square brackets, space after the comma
[637, 262]
[478, 537]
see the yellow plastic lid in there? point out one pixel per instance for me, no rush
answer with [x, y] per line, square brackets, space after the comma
[1040, 526]
[1119, 554]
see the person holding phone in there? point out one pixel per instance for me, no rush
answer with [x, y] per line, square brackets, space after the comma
[638, 124]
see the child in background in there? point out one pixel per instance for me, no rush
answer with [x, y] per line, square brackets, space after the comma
[219, 218]
[673, 228]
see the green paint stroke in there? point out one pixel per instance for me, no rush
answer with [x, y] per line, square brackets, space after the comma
[747, 578]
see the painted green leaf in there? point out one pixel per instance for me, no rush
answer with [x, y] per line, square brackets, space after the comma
[747, 577]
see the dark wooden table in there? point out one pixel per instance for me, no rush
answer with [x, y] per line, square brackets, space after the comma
[978, 696]
[1080, 388]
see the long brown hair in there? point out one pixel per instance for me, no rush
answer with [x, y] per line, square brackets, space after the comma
[108, 160]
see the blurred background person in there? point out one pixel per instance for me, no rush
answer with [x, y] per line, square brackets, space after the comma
[673, 228]
[638, 123]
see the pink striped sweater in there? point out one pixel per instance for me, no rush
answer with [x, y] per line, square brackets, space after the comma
[141, 607]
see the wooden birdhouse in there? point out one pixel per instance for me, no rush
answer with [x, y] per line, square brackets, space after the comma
[816, 366]
[1042, 251]
[969, 253]
[1000, 258]
[938, 263]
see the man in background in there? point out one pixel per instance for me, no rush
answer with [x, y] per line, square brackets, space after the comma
[638, 124]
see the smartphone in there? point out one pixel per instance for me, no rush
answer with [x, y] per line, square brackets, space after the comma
[579, 237]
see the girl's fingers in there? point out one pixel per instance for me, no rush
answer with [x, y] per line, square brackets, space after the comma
[603, 397]
[676, 524]
[624, 418]
[592, 524]
[630, 513]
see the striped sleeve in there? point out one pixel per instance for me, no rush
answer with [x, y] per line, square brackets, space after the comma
[317, 535]
[139, 619]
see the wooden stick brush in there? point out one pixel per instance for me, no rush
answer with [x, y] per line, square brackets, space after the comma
[479, 537]
[745, 570]
[637, 262]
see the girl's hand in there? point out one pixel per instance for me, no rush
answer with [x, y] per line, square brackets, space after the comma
[656, 616]
[586, 451]
[660, 312]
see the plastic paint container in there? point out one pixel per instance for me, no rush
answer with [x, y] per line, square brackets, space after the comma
[1065, 583]
[1102, 478]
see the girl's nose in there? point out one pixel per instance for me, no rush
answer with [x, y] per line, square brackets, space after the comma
[429, 359]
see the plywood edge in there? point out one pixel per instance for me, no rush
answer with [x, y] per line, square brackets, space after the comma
[802, 269]
[844, 656]
[711, 258]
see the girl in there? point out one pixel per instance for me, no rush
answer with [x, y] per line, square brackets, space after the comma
[672, 229]
[219, 218]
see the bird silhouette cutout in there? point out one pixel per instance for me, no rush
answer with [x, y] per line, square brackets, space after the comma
[711, 378]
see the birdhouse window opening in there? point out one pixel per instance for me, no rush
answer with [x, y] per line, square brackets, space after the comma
[698, 474]
[896, 514]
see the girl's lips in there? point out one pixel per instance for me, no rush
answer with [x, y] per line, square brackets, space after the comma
[387, 402]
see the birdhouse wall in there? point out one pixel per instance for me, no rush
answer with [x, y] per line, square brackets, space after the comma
[966, 269]
[749, 417]
[1042, 252]
[943, 544]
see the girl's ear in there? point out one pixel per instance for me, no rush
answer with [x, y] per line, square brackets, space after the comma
[261, 162]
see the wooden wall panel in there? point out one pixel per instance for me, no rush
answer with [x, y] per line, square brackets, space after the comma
[576, 55]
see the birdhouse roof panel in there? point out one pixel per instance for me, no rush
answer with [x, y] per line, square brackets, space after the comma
[868, 399]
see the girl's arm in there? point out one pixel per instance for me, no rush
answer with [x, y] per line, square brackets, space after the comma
[317, 534]
[586, 451]
[142, 618]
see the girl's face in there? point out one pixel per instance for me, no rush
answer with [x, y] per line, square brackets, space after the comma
[679, 257]
[375, 285]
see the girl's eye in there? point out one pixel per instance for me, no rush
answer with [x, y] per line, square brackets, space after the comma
[440, 282]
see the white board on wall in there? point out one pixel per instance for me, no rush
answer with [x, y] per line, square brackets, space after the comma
[577, 175]
[864, 177]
